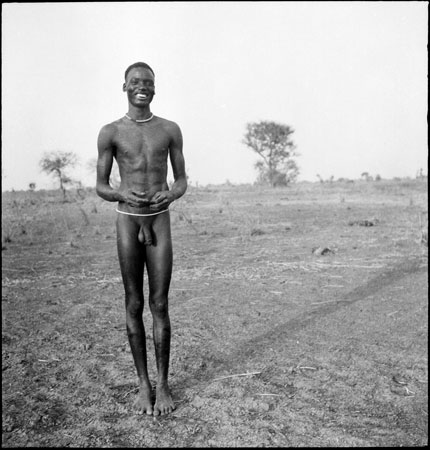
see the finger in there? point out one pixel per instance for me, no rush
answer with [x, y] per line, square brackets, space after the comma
[138, 202]
[157, 198]
[143, 202]
[157, 207]
[163, 199]
[141, 194]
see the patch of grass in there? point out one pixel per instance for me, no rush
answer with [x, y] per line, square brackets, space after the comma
[316, 340]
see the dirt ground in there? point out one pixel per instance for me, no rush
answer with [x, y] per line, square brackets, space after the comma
[299, 319]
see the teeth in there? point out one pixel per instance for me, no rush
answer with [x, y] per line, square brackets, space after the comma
[141, 96]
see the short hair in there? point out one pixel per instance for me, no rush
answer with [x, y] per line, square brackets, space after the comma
[138, 64]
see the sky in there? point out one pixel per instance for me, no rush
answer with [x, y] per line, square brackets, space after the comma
[349, 77]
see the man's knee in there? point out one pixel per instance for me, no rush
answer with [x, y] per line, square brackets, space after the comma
[134, 308]
[158, 304]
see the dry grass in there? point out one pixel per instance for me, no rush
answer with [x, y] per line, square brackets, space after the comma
[272, 345]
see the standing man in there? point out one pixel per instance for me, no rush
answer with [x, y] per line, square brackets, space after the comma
[141, 144]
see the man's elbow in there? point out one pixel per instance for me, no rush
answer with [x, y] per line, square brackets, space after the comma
[179, 187]
[100, 189]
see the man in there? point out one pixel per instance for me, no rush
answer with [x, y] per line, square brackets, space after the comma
[141, 143]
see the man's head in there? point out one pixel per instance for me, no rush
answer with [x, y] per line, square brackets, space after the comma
[137, 64]
[139, 84]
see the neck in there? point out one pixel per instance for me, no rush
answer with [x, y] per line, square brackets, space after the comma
[139, 113]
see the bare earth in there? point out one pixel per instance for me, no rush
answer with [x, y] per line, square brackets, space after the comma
[299, 318]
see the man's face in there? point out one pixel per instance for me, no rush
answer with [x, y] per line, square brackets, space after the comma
[139, 87]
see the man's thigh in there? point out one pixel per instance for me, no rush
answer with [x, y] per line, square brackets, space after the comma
[159, 256]
[130, 252]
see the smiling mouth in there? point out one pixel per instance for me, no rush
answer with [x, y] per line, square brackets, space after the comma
[141, 96]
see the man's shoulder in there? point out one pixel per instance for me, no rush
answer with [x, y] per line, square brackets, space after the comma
[168, 125]
[110, 128]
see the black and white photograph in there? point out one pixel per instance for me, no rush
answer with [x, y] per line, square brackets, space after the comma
[214, 224]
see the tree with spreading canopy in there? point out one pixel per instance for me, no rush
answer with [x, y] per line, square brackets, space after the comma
[57, 163]
[272, 141]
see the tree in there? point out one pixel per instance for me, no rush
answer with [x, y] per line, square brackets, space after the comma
[57, 164]
[366, 176]
[272, 141]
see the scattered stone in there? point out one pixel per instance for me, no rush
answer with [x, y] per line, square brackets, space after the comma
[318, 251]
[263, 406]
[399, 380]
[363, 223]
[198, 402]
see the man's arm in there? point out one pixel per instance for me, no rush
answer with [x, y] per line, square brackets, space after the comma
[178, 164]
[163, 199]
[106, 149]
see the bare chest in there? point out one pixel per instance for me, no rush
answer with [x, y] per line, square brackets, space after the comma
[141, 141]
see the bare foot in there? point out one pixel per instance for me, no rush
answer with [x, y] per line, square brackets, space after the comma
[164, 403]
[143, 402]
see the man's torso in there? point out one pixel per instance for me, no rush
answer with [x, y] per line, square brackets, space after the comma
[141, 151]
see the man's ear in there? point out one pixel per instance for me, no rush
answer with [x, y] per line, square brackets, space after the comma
[124, 87]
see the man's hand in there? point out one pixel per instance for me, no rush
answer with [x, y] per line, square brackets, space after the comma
[161, 200]
[135, 198]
